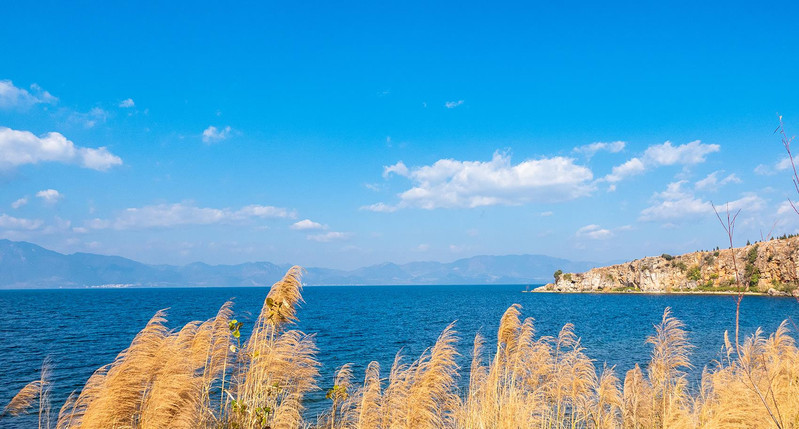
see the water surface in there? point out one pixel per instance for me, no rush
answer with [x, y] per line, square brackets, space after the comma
[80, 330]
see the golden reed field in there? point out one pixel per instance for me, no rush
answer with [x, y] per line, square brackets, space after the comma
[206, 376]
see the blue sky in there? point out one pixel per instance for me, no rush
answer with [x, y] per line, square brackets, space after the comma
[348, 134]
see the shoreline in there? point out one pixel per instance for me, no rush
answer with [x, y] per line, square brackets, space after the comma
[638, 292]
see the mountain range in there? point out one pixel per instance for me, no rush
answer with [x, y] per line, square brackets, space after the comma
[26, 265]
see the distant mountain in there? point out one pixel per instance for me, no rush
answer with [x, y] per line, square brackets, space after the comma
[28, 266]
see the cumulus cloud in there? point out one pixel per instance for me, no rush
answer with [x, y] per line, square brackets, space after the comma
[49, 196]
[675, 203]
[712, 181]
[676, 209]
[594, 232]
[399, 168]
[691, 153]
[307, 224]
[453, 104]
[450, 183]
[181, 214]
[749, 202]
[19, 203]
[127, 103]
[19, 224]
[329, 236]
[214, 135]
[590, 150]
[13, 97]
[660, 155]
[632, 167]
[23, 147]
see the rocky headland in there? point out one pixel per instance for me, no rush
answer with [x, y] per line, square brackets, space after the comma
[768, 267]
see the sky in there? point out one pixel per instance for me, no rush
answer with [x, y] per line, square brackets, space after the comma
[348, 134]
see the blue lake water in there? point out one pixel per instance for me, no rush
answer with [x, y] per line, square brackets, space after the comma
[80, 330]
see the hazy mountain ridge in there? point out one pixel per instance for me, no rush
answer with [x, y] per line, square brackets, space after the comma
[25, 265]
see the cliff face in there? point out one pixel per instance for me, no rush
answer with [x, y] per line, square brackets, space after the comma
[768, 267]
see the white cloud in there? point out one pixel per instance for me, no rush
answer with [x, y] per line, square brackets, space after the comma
[180, 214]
[127, 103]
[453, 104]
[677, 209]
[786, 207]
[673, 191]
[13, 97]
[783, 164]
[769, 170]
[675, 203]
[214, 135]
[329, 236]
[23, 147]
[712, 182]
[594, 232]
[749, 202]
[763, 170]
[307, 224]
[685, 154]
[632, 167]
[424, 247]
[398, 168]
[543, 214]
[263, 212]
[19, 203]
[660, 155]
[15, 223]
[380, 208]
[90, 118]
[49, 196]
[590, 150]
[449, 183]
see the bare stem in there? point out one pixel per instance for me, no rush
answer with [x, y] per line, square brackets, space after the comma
[729, 227]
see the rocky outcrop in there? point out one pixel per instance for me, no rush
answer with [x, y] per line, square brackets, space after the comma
[770, 267]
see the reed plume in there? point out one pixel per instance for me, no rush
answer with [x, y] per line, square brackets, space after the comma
[278, 366]
[113, 395]
[431, 396]
[37, 391]
[23, 401]
[369, 408]
[637, 400]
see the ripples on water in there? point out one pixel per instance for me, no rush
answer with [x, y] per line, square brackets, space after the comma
[80, 330]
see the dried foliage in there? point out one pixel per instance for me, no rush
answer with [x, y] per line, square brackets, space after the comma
[203, 376]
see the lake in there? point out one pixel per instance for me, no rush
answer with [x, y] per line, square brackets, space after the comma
[80, 330]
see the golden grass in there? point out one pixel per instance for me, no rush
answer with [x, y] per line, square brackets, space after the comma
[204, 376]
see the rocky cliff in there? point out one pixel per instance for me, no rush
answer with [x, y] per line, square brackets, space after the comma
[766, 267]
